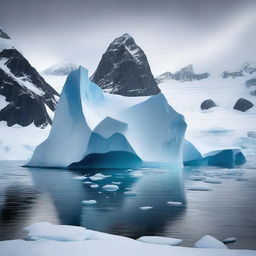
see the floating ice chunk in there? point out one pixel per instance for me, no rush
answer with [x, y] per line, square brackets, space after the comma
[116, 182]
[130, 193]
[198, 189]
[146, 208]
[45, 230]
[87, 182]
[197, 178]
[174, 203]
[242, 179]
[98, 176]
[110, 187]
[89, 202]
[79, 178]
[160, 240]
[94, 186]
[210, 242]
[136, 173]
[229, 240]
[212, 181]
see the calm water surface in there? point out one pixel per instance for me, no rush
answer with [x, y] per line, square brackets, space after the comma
[221, 202]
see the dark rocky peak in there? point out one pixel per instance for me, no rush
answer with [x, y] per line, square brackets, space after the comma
[26, 95]
[124, 70]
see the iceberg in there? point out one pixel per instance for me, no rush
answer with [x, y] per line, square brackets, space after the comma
[227, 157]
[92, 129]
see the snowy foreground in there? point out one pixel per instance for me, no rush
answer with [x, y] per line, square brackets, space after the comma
[46, 239]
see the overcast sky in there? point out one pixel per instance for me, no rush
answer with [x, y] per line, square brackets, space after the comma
[172, 33]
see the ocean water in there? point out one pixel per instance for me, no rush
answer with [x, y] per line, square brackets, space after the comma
[215, 201]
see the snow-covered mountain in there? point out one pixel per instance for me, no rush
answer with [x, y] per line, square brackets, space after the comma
[185, 74]
[248, 68]
[60, 69]
[25, 96]
[124, 70]
[27, 102]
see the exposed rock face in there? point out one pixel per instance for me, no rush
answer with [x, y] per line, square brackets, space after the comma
[187, 74]
[183, 75]
[207, 104]
[164, 77]
[251, 134]
[251, 82]
[232, 74]
[124, 70]
[27, 95]
[249, 68]
[243, 105]
[253, 93]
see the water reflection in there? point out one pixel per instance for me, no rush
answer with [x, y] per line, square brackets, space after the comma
[118, 213]
[115, 212]
[54, 195]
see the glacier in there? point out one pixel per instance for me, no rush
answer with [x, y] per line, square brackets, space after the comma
[93, 129]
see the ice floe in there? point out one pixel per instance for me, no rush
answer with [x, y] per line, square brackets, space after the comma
[110, 187]
[146, 208]
[210, 242]
[160, 240]
[89, 202]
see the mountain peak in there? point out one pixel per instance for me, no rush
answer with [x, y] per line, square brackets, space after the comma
[124, 69]
[185, 74]
[188, 68]
[124, 39]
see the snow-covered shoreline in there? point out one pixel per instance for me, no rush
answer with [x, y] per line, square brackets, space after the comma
[46, 239]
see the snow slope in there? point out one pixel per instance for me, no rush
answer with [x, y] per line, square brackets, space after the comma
[219, 127]
[54, 240]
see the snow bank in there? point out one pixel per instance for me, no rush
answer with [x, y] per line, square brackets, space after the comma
[62, 240]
